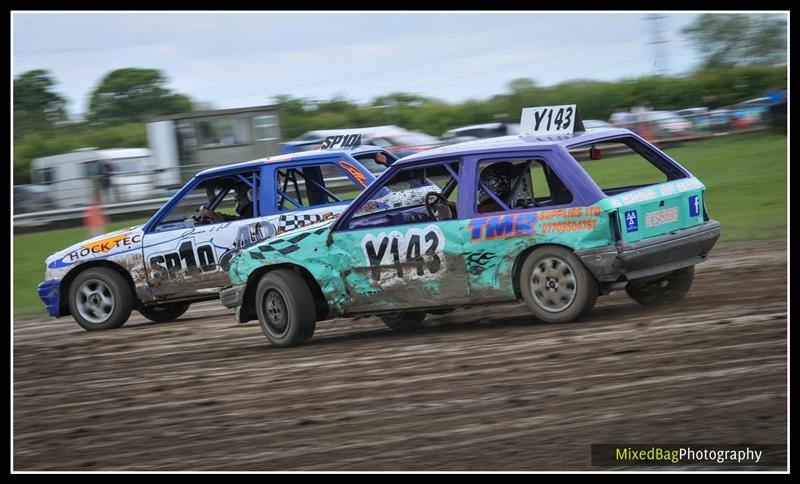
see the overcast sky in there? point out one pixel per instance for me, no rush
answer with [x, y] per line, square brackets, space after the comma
[234, 60]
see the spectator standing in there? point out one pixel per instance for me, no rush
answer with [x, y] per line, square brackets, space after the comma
[106, 173]
[642, 120]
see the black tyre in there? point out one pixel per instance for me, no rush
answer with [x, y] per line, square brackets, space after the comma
[306, 337]
[285, 308]
[440, 312]
[556, 285]
[100, 298]
[164, 312]
[665, 290]
[402, 322]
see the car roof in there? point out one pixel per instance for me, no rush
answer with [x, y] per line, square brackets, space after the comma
[481, 126]
[371, 131]
[474, 126]
[512, 143]
[756, 100]
[286, 158]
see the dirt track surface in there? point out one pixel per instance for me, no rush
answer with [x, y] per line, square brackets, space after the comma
[479, 389]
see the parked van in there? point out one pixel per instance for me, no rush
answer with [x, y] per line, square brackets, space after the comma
[121, 175]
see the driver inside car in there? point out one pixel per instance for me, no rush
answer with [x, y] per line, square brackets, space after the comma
[438, 207]
[244, 207]
[498, 178]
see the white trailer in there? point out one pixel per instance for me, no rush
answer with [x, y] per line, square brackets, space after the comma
[73, 178]
[162, 139]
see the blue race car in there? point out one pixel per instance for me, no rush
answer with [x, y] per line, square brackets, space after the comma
[182, 254]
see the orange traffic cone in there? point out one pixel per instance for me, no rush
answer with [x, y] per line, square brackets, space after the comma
[95, 219]
[647, 133]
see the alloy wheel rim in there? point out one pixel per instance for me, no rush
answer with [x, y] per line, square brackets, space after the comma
[95, 301]
[553, 284]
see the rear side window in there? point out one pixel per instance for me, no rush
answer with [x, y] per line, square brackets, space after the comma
[518, 184]
[315, 185]
[624, 164]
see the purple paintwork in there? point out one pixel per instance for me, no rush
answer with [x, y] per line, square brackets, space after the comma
[554, 150]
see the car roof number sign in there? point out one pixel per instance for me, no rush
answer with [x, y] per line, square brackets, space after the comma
[548, 120]
[341, 141]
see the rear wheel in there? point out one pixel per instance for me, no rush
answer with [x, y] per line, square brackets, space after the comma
[164, 312]
[285, 308]
[100, 298]
[556, 285]
[665, 290]
[401, 322]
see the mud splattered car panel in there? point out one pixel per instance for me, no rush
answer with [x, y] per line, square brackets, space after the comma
[183, 260]
[400, 260]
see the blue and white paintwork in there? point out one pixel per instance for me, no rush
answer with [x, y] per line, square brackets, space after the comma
[157, 263]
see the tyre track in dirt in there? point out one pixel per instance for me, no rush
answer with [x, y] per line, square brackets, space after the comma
[484, 388]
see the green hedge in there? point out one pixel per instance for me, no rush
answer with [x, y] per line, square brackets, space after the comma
[596, 100]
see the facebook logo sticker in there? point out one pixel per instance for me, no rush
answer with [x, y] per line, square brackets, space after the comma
[694, 205]
[631, 222]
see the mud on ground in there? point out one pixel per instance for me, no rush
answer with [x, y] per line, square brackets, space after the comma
[486, 388]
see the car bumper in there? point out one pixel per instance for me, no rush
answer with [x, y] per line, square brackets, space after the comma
[232, 296]
[50, 294]
[653, 256]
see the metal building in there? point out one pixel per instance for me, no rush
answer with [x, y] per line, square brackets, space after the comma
[184, 144]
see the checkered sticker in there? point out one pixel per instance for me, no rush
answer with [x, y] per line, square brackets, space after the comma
[283, 245]
[291, 222]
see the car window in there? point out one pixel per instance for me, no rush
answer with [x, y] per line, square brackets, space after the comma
[382, 142]
[624, 164]
[315, 185]
[122, 166]
[225, 196]
[370, 163]
[406, 190]
[518, 184]
[413, 139]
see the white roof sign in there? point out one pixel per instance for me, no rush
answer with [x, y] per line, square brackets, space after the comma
[550, 120]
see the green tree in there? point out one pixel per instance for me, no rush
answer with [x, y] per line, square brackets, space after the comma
[739, 39]
[402, 99]
[521, 85]
[36, 106]
[134, 95]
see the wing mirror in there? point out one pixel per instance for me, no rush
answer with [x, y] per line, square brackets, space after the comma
[381, 159]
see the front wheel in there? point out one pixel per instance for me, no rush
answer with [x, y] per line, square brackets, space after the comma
[665, 290]
[164, 312]
[100, 298]
[285, 308]
[401, 322]
[556, 285]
